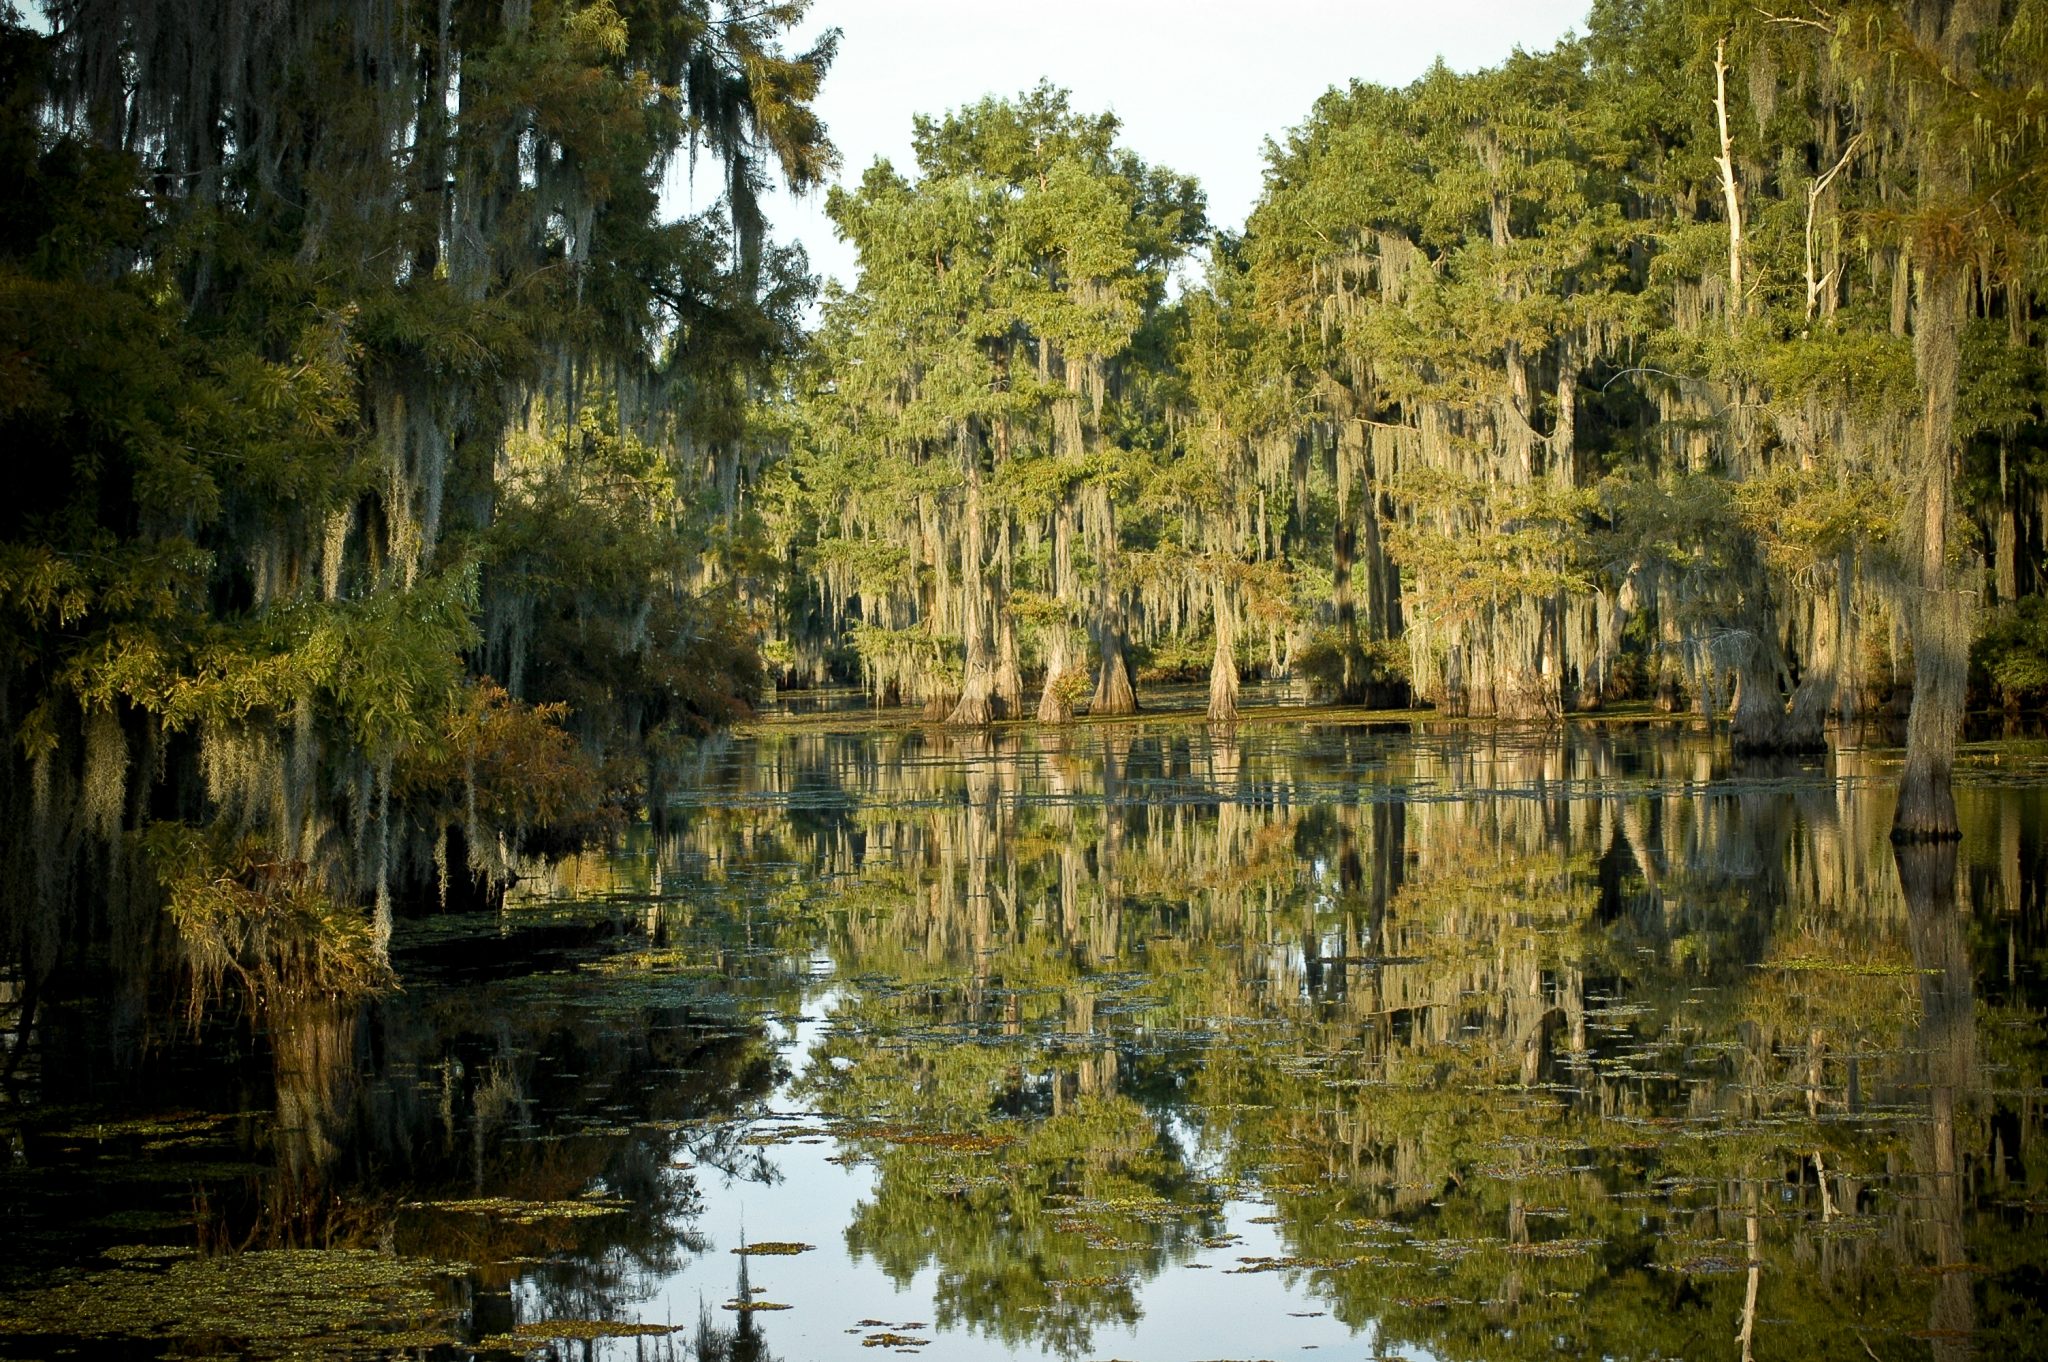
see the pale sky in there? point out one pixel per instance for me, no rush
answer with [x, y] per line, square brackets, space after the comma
[1199, 85]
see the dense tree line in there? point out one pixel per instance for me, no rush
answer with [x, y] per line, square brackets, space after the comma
[375, 443]
[1698, 358]
[399, 490]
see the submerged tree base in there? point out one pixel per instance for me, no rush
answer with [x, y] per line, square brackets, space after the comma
[978, 706]
[1926, 812]
[1114, 693]
[1782, 743]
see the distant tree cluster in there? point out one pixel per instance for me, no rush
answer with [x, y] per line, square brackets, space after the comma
[1696, 359]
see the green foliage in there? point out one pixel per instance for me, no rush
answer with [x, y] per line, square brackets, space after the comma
[985, 388]
[1329, 657]
[2012, 652]
[244, 916]
[333, 368]
[593, 596]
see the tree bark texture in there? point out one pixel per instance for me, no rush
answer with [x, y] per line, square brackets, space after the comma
[1937, 611]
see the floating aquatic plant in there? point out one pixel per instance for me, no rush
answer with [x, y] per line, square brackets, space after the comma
[274, 1303]
[526, 1212]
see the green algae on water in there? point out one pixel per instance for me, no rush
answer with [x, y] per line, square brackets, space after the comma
[275, 1303]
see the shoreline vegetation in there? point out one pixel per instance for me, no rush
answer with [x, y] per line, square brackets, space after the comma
[1249, 715]
[405, 497]
[2025, 744]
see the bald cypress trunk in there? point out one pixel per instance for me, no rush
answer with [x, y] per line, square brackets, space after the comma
[1820, 682]
[1383, 592]
[976, 705]
[1937, 612]
[2005, 535]
[1223, 667]
[1055, 702]
[1343, 550]
[1054, 707]
[1009, 674]
[1113, 691]
[1758, 722]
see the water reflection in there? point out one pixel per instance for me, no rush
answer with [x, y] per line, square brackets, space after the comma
[1585, 1040]
[529, 1136]
[1170, 1040]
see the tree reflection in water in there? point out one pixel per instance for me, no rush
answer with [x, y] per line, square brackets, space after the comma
[1495, 1043]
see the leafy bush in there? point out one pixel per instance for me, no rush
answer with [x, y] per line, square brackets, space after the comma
[508, 768]
[243, 915]
[1377, 666]
[2011, 654]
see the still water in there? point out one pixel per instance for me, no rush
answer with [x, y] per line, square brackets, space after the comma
[1298, 1040]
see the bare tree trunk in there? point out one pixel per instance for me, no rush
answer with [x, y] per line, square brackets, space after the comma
[1383, 579]
[1937, 613]
[1352, 679]
[1524, 685]
[1730, 198]
[1820, 684]
[2005, 536]
[1753, 1256]
[1009, 677]
[1223, 667]
[1815, 284]
[1113, 691]
[1055, 704]
[934, 689]
[975, 707]
[1759, 713]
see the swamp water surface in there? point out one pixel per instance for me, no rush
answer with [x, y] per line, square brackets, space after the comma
[1302, 1040]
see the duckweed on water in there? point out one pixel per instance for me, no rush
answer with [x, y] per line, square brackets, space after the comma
[576, 1331]
[665, 961]
[277, 1303]
[180, 1125]
[1861, 968]
[1293, 1264]
[525, 1212]
[958, 1142]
